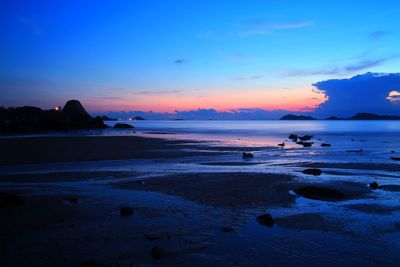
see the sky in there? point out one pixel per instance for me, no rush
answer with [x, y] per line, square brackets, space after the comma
[208, 59]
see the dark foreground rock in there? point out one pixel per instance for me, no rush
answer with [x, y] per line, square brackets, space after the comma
[8, 199]
[265, 219]
[320, 193]
[315, 172]
[123, 126]
[29, 120]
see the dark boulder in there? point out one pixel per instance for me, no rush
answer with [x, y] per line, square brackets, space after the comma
[8, 199]
[375, 186]
[307, 144]
[320, 193]
[305, 137]
[395, 158]
[247, 155]
[123, 126]
[126, 211]
[325, 144]
[266, 220]
[315, 172]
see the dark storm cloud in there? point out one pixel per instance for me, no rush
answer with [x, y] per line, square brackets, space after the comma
[362, 93]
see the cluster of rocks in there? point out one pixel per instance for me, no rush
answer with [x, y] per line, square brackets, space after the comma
[301, 140]
[28, 120]
[304, 140]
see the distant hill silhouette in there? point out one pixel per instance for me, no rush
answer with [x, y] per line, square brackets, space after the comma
[367, 116]
[358, 117]
[28, 120]
[106, 118]
[292, 117]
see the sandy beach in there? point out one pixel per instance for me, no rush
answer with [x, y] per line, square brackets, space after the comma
[192, 204]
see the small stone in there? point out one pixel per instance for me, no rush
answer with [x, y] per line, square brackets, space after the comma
[325, 144]
[246, 155]
[265, 219]
[315, 172]
[374, 186]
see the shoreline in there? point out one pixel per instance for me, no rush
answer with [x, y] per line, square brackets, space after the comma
[197, 202]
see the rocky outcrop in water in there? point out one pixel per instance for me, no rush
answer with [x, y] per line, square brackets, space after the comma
[247, 155]
[292, 117]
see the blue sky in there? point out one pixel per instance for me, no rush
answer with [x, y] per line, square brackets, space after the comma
[184, 55]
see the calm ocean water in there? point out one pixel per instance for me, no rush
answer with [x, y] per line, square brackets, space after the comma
[266, 132]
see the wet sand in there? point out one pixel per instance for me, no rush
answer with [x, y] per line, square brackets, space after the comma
[85, 148]
[71, 217]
